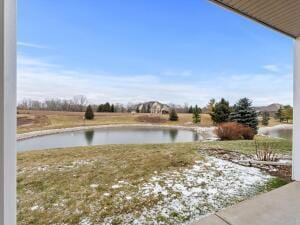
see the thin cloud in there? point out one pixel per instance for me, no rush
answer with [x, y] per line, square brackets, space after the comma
[172, 73]
[38, 79]
[31, 45]
[271, 68]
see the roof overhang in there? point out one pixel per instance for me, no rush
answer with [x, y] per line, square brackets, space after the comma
[280, 15]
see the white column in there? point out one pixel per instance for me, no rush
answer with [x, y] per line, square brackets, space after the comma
[7, 112]
[296, 120]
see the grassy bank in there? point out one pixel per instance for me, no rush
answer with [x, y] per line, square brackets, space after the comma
[43, 120]
[69, 185]
[280, 146]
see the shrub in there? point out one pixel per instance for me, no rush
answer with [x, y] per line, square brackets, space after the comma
[196, 115]
[264, 152]
[265, 118]
[173, 115]
[89, 114]
[234, 131]
[220, 112]
[244, 113]
[151, 119]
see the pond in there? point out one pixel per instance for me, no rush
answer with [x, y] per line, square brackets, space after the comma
[111, 135]
[130, 135]
[277, 132]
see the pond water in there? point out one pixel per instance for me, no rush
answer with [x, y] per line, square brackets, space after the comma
[130, 135]
[277, 132]
[102, 136]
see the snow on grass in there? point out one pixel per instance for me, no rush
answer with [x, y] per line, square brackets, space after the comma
[94, 186]
[85, 221]
[185, 195]
[33, 208]
[116, 186]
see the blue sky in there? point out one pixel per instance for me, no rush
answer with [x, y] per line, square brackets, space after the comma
[139, 50]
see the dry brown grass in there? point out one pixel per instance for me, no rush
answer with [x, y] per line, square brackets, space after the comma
[150, 119]
[234, 131]
[57, 183]
[54, 186]
[74, 119]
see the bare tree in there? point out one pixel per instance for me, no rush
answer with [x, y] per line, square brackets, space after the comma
[81, 101]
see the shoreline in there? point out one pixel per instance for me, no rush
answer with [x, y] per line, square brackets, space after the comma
[40, 133]
[197, 129]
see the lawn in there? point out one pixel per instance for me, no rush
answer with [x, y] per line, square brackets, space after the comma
[120, 184]
[43, 120]
[279, 146]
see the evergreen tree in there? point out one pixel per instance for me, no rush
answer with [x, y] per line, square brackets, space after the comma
[220, 112]
[148, 108]
[190, 109]
[89, 114]
[265, 118]
[196, 114]
[244, 113]
[112, 108]
[173, 115]
[279, 114]
[106, 107]
[287, 113]
[100, 108]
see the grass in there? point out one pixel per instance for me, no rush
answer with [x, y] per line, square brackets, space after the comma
[43, 120]
[59, 180]
[280, 146]
[275, 183]
[64, 185]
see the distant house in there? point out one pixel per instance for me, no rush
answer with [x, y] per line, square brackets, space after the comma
[153, 107]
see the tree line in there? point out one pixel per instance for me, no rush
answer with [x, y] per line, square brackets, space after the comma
[76, 104]
[107, 107]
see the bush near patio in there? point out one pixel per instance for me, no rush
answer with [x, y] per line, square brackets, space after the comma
[234, 131]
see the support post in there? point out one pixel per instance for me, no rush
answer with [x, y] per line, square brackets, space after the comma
[7, 112]
[296, 119]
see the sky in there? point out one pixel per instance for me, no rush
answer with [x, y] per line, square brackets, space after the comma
[173, 51]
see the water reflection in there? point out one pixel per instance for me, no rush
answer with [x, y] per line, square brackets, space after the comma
[89, 136]
[113, 135]
[173, 134]
[280, 133]
[196, 136]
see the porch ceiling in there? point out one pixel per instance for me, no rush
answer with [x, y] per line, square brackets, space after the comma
[281, 15]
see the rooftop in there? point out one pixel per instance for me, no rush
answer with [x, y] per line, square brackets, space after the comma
[280, 15]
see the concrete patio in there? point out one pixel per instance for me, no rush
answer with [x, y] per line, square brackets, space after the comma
[278, 207]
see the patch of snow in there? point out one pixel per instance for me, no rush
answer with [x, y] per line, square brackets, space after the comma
[116, 186]
[33, 208]
[94, 185]
[85, 221]
[122, 182]
[189, 194]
